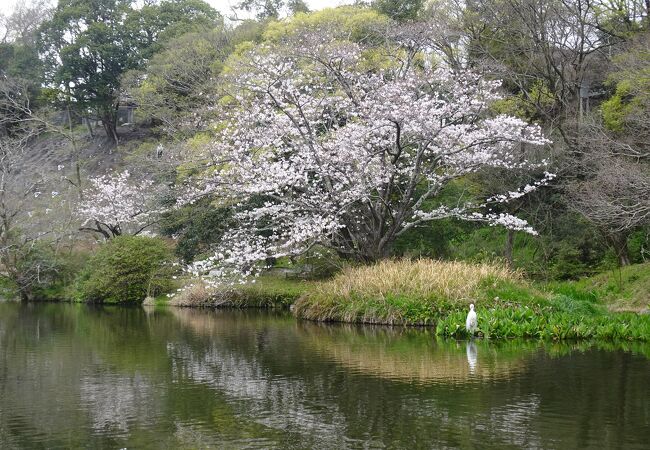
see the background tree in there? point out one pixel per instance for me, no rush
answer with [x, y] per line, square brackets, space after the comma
[31, 233]
[156, 23]
[177, 84]
[615, 197]
[87, 46]
[613, 190]
[399, 10]
[554, 58]
[361, 25]
[272, 9]
[21, 26]
[19, 58]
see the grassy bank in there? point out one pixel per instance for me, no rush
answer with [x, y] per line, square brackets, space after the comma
[266, 292]
[624, 289]
[406, 292]
[438, 293]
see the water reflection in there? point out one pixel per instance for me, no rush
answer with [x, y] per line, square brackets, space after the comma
[180, 378]
[112, 402]
[472, 356]
[414, 355]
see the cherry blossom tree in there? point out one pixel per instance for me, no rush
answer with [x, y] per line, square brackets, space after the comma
[116, 204]
[343, 156]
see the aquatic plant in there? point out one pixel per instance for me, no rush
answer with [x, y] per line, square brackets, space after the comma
[552, 324]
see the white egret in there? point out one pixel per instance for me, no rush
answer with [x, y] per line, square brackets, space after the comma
[472, 321]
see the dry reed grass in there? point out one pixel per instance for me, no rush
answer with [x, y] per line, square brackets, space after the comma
[194, 294]
[422, 279]
[268, 292]
[399, 291]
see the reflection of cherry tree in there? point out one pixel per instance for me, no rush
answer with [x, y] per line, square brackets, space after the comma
[332, 155]
[114, 204]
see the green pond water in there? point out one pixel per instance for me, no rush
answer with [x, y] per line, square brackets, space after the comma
[73, 376]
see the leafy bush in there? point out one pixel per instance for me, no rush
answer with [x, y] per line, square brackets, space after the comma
[58, 271]
[126, 270]
[639, 246]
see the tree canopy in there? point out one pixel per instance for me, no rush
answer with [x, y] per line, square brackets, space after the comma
[520, 126]
[87, 46]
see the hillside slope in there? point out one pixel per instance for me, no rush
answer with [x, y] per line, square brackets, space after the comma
[624, 289]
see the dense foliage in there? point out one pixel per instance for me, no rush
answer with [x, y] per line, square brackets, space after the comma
[87, 46]
[126, 270]
[196, 228]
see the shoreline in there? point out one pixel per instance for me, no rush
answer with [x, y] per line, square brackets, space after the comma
[450, 326]
[435, 295]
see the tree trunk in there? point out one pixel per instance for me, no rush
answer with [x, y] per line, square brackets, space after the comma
[619, 244]
[364, 255]
[90, 127]
[24, 289]
[109, 121]
[24, 296]
[374, 253]
[77, 170]
[509, 247]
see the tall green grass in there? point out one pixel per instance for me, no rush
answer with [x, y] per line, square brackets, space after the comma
[622, 289]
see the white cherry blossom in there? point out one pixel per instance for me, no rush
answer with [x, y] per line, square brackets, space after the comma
[313, 150]
[115, 204]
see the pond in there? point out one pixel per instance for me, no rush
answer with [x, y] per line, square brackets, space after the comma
[73, 376]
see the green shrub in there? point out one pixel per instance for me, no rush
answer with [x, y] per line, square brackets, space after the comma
[126, 270]
[62, 269]
[638, 245]
[36, 270]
